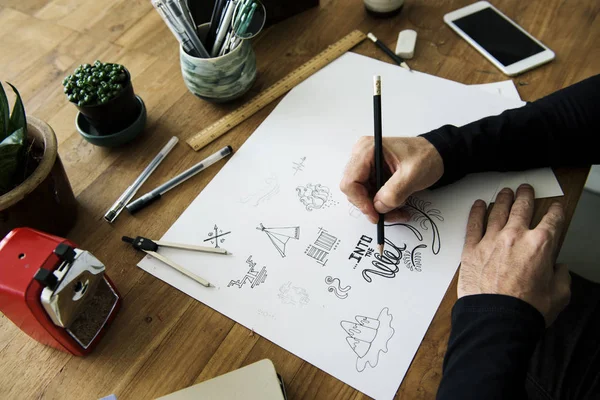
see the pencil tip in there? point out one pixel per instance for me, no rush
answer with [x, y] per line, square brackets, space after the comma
[380, 247]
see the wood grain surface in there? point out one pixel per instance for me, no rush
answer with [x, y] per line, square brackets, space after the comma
[163, 340]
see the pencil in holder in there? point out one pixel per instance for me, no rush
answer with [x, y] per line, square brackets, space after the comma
[219, 79]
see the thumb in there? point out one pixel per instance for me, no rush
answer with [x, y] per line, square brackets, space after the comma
[393, 194]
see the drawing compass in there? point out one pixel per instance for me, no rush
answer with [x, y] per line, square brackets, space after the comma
[150, 247]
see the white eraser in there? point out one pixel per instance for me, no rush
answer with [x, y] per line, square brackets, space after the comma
[405, 47]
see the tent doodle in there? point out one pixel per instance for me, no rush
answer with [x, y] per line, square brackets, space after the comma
[279, 236]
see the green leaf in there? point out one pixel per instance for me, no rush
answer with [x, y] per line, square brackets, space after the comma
[4, 114]
[17, 119]
[11, 156]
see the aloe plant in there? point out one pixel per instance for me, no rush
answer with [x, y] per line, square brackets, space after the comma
[13, 131]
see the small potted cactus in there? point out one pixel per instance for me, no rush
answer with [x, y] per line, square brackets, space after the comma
[104, 95]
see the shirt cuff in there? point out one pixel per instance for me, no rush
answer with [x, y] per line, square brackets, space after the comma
[506, 306]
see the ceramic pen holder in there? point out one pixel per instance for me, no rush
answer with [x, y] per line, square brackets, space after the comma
[219, 79]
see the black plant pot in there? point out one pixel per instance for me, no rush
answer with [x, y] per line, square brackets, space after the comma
[116, 114]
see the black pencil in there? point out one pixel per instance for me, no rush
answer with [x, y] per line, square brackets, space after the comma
[378, 154]
[399, 60]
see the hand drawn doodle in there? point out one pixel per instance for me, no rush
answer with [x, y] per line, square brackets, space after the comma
[386, 265]
[280, 236]
[421, 212]
[315, 196]
[263, 193]
[299, 166]
[369, 337]
[293, 295]
[216, 236]
[336, 288]
[322, 246]
[412, 260]
[253, 277]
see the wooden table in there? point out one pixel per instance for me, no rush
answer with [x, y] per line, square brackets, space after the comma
[163, 340]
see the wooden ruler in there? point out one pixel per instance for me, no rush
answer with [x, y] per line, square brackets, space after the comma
[222, 126]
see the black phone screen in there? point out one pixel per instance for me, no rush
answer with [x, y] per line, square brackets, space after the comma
[504, 41]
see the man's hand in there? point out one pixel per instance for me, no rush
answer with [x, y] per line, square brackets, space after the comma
[413, 163]
[513, 260]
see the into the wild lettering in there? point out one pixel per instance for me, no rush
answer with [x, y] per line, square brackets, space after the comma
[361, 249]
[387, 264]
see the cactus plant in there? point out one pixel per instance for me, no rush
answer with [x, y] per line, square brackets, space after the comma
[94, 84]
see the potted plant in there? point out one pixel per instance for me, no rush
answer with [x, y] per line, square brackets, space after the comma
[34, 189]
[103, 93]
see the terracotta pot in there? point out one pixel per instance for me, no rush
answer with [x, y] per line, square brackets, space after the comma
[45, 200]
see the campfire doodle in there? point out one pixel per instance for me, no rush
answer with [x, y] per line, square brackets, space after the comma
[315, 196]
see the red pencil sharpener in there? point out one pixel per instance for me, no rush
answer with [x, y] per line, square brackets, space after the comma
[56, 293]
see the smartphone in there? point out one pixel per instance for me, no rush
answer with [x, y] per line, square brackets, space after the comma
[504, 43]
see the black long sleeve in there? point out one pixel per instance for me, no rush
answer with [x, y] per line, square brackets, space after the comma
[492, 339]
[562, 129]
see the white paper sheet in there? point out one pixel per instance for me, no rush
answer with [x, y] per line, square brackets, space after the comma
[503, 88]
[303, 273]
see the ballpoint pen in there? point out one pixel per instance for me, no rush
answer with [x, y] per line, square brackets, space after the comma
[186, 12]
[122, 201]
[181, 29]
[156, 194]
[223, 28]
[243, 27]
[215, 20]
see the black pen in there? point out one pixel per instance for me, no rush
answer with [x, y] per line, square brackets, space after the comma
[215, 21]
[157, 193]
[378, 155]
[399, 60]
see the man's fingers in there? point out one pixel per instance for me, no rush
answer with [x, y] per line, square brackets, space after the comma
[356, 177]
[393, 194]
[475, 224]
[553, 221]
[398, 215]
[500, 211]
[522, 209]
